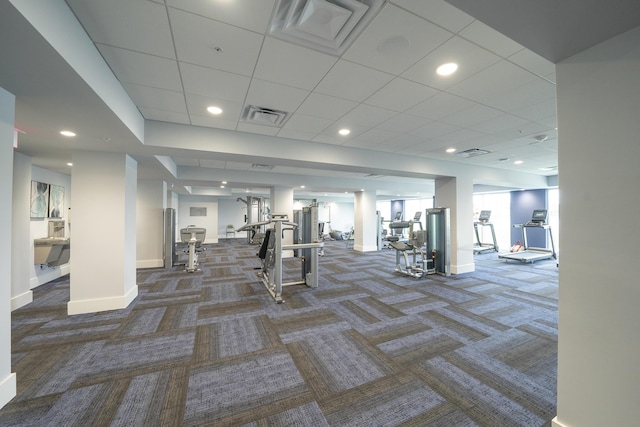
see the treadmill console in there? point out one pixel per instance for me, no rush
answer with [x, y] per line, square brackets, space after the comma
[484, 216]
[398, 216]
[538, 218]
[417, 216]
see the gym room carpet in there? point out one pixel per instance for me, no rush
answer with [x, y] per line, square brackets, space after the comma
[366, 348]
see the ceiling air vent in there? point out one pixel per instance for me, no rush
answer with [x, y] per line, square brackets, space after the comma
[261, 167]
[326, 25]
[473, 152]
[264, 116]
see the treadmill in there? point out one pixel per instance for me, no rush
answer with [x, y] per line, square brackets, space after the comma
[483, 221]
[531, 254]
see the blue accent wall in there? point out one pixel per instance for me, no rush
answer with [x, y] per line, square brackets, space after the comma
[523, 203]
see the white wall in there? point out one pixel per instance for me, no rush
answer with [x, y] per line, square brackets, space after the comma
[152, 198]
[599, 158]
[21, 242]
[7, 379]
[231, 212]
[40, 227]
[209, 222]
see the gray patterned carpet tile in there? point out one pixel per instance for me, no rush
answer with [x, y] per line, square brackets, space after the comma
[368, 347]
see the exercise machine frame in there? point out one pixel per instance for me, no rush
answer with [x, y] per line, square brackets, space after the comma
[533, 254]
[483, 221]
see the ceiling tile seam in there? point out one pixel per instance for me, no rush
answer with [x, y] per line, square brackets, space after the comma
[213, 19]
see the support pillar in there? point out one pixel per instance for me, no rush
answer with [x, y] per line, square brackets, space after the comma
[7, 115]
[282, 203]
[103, 232]
[151, 201]
[365, 221]
[457, 194]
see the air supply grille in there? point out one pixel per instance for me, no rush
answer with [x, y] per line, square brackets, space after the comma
[264, 116]
[473, 152]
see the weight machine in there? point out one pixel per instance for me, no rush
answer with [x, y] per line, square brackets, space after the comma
[416, 263]
[271, 251]
[483, 221]
[192, 238]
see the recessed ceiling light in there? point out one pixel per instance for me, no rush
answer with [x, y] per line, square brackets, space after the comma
[344, 132]
[224, 182]
[451, 150]
[69, 164]
[214, 110]
[518, 162]
[302, 186]
[67, 133]
[447, 69]
[222, 186]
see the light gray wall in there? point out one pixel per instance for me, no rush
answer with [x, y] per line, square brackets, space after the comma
[599, 158]
[21, 242]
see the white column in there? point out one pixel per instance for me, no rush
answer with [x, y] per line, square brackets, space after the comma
[152, 199]
[365, 221]
[599, 153]
[282, 203]
[457, 195]
[103, 247]
[7, 114]
[21, 246]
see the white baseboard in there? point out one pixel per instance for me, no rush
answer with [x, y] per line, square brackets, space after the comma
[102, 304]
[7, 389]
[21, 300]
[464, 268]
[48, 276]
[556, 423]
[149, 263]
[365, 248]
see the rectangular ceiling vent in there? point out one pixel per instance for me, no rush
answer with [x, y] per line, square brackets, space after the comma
[261, 167]
[472, 152]
[326, 25]
[264, 116]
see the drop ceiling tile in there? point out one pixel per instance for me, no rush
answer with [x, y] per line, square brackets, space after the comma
[532, 93]
[164, 115]
[440, 105]
[215, 83]
[139, 26]
[499, 124]
[302, 123]
[214, 164]
[328, 139]
[352, 81]
[535, 112]
[159, 99]
[332, 131]
[326, 107]
[196, 37]
[493, 82]
[197, 106]
[404, 123]
[439, 12]
[213, 122]
[533, 62]
[375, 136]
[142, 69]
[262, 130]
[400, 95]
[473, 115]
[291, 65]
[434, 130]
[249, 14]
[294, 134]
[395, 40]
[485, 36]
[469, 57]
[367, 115]
[275, 96]
[186, 161]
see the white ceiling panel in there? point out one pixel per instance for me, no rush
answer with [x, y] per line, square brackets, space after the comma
[440, 105]
[400, 95]
[186, 161]
[493, 82]
[258, 129]
[208, 163]
[529, 94]
[490, 39]
[160, 99]
[142, 69]
[352, 81]
[249, 14]
[326, 107]
[433, 130]
[275, 96]
[500, 124]
[197, 106]
[403, 123]
[164, 116]
[302, 123]
[533, 62]
[438, 12]
[367, 115]
[214, 83]
[469, 57]
[471, 116]
[294, 134]
[196, 39]
[395, 40]
[135, 25]
[291, 65]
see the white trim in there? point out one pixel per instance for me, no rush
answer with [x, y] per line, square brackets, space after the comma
[21, 300]
[149, 263]
[7, 389]
[50, 275]
[556, 423]
[362, 248]
[102, 304]
[464, 268]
